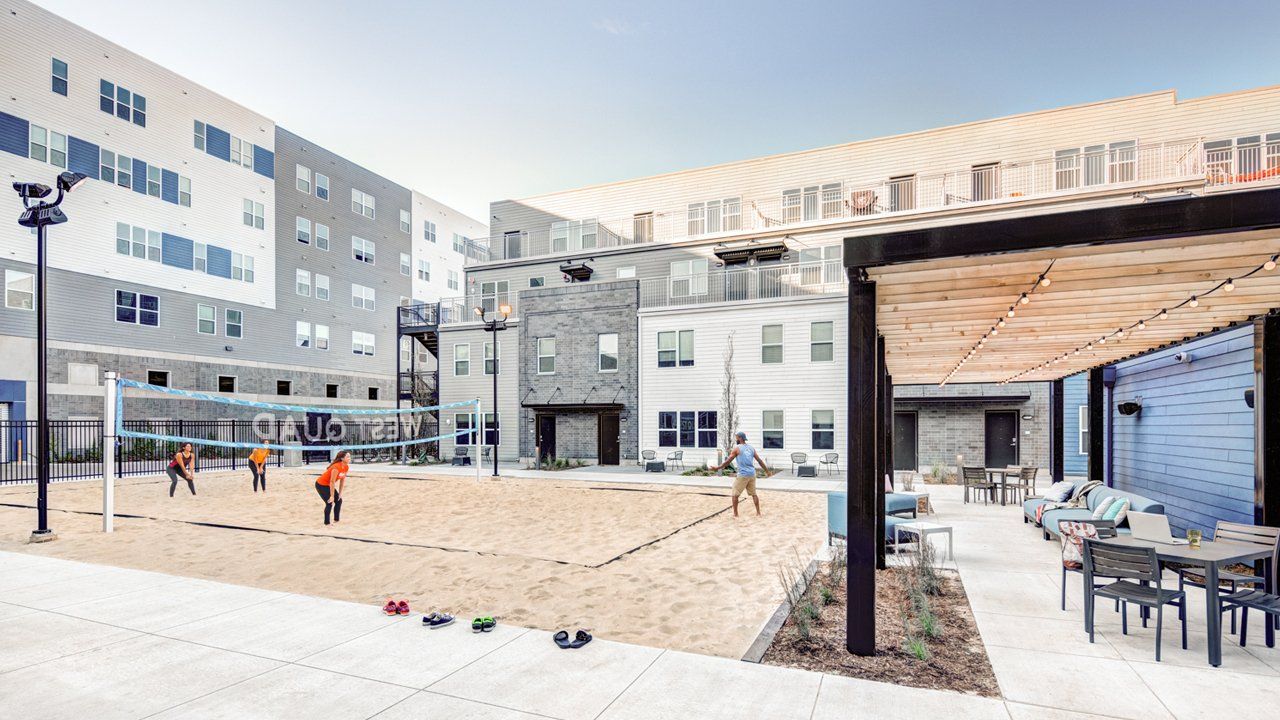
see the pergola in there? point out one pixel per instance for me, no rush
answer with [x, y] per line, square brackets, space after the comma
[1039, 298]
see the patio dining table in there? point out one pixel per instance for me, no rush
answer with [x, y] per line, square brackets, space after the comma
[1004, 474]
[1210, 555]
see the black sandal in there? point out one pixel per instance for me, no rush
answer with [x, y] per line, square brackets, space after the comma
[582, 638]
[562, 639]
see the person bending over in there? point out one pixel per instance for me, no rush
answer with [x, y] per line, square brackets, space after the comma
[182, 465]
[746, 458]
[331, 483]
[258, 465]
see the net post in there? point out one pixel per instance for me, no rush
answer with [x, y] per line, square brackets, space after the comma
[476, 436]
[112, 390]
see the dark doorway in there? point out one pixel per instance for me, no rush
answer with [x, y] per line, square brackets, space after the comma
[546, 437]
[904, 441]
[609, 450]
[1002, 438]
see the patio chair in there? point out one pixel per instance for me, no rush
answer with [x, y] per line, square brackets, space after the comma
[1248, 600]
[976, 478]
[1072, 533]
[1229, 580]
[646, 456]
[676, 458]
[829, 460]
[1026, 482]
[1129, 564]
[486, 452]
[798, 458]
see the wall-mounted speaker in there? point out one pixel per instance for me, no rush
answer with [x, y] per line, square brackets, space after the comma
[1130, 407]
[1248, 398]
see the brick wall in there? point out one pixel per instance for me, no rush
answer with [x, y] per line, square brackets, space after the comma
[951, 427]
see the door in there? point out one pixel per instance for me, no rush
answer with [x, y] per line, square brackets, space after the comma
[546, 437]
[904, 441]
[609, 449]
[1002, 438]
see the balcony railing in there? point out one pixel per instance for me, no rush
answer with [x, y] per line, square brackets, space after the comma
[1112, 166]
[743, 284]
[421, 387]
[456, 310]
[419, 315]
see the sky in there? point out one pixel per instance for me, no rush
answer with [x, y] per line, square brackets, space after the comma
[479, 100]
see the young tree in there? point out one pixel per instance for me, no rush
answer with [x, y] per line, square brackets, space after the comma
[728, 420]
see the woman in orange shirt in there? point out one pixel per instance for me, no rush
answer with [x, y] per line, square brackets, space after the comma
[258, 465]
[330, 485]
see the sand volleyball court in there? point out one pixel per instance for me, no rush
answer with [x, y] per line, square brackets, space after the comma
[657, 565]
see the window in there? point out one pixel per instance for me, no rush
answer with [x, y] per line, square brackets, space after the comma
[902, 193]
[675, 348]
[607, 352]
[19, 290]
[491, 429]
[707, 428]
[627, 271]
[242, 267]
[233, 324]
[667, 429]
[284, 387]
[158, 377]
[361, 203]
[137, 308]
[303, 175]
[821, 341]
[771, 430]
[59, 77]
[461, 360]
[303, 286]
[153, 181]
[428, 231]
[361, 343]
[1101, 164]
[331, 390]
[771, 344]
[184, 191]
[424, 270]
[642, 227]
[322, 236]
[255, 215]
[241, 153]
[546, 356]
[453, 281]
[206, 319]
[537, 282]
[373, 393]
[574, 234]
[462, 423]
[689, 277]
[303, 334]
[124, 171]
[823, 429]
[322, 337]
[406, 265]
[459, 243]
[115, 100]
[200, 136]
[688, 431]
[39, 143]
[493, 295]
[226, 383]
[406, 224]
[820, 265]
[491, 365]
[304, 230]
[106, 165]
[1082, 446]
[362, 249]
[714, 216]
[199, 257]
[362, 297]
[322, 187]
[322, 287]
[139, 242]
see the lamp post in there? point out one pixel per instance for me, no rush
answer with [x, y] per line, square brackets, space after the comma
[41, 215]
[496, 325]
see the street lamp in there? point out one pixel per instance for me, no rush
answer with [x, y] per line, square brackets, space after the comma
[41, 215]
[496, 325]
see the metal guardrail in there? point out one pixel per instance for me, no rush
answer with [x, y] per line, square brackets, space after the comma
[744, 284]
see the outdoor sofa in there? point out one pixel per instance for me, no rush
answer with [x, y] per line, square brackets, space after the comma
[1049, 523]
[896, 506]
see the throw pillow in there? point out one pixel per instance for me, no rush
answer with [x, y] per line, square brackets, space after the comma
[1059, 491]
[1100, 512]
[1118, 511]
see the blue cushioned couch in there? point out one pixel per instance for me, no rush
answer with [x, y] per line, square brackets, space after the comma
[1096, 496]
[895, 506]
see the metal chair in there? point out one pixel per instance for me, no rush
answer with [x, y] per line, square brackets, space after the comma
[1260, 535]
[829, 460]
[1248, 600]
[798, 458]
[1026, 482]
[676, 458]
[1129, 564]
[646, 456]
[460, 456]
[1074, 533]
[976, 478]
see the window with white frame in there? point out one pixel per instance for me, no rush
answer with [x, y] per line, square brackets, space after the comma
[675, 348]
[714, 216]
[1099, 164]
[362, 203]
[424, 270]
[574, 235]
[667, 434]
[642, 227]
[491, 364]
[406, 265]
[454, 281]
[322, 236]
[184, 191]
[322, 186]
[822, 341]
[200, 257]
[362, 249]
[812, 202]
[626, 271]
[494, 295]
[689, 277]
[242, 152]
[1082, 440]
[322, 287]
[19, 290]
[303, 174]
[492, 425]
[233, 323]
[537, 282]
[820, 265]
[303, 283]
[771, 344]
[254, 214]
[242, 267]
[707, 428]
[116, 100]
[206, 319]
[546, 356]
[362, 297]
[461, 360]
[139, 242]
[201, 135]
[304, 230]
[38, 143]
[361, 343]
[124, 171]
[59, 77]
[428, 231]
[153, 180]
[459, 243]
[322, 337]
[607, 352]
[137, 309]
[462, 424]
[771, 429]
[303, 334]
[406, 224]
[823, 429]
[106, 165]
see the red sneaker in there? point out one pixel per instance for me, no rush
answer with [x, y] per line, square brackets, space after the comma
[403, 607]
[390, 608]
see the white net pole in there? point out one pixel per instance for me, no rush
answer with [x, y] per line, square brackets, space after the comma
[112, 388]
[476, 436]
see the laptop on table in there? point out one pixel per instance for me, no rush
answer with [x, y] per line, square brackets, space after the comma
[1152, 527]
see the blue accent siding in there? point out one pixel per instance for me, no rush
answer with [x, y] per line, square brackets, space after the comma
[1191, 447]
[176, 251]
[169, 186]
[1075, 402]
[264, 162]
[139, 176]
[83, 157]
[219, 261]
[14, 392]
[14, 133]
[217, 142]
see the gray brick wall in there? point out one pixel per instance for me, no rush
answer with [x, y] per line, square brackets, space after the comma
[945, 429]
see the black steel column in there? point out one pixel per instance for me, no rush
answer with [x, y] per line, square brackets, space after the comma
[888, 428]
[862, 503]
[42, 390]
[1266, 415]
[1057, 431]
[1097, 410]
[881, 453]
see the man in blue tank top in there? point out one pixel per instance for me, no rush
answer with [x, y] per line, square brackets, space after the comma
[746, 458]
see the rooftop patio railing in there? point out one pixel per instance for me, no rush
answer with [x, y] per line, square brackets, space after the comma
[461, 309]
[1090, 169]
[772, 282]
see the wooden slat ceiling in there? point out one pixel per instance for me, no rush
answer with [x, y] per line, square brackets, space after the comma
[931, 313]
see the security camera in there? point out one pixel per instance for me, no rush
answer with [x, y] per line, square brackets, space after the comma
[1182, 357]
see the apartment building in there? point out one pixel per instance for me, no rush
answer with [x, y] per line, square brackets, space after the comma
[746, 255]
[210, 250]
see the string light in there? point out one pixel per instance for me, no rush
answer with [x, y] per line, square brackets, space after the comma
[1011, 312]
[1229, 286]
[1000, 322]
[1164, 314]
[1270, 264]
[1195, 302]
[1024, 299]
[1142, 324]
[1045, 281]
[1042, 280]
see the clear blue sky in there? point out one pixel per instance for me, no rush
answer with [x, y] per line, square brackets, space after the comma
[474, 100]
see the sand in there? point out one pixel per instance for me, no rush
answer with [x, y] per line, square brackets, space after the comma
[655, 565]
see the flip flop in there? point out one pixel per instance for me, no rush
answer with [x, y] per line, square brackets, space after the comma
[402, 608]
[439, 620]
[487, 624]
[562, 639]
[390, 608]
[582, 638]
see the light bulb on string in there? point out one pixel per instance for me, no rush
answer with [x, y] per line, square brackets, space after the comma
[1195, 301]
[1045, 281]
[1001, 322]
[1011, 312]
[1164, 314]
[1231, 285]
[1024, 299]
[1270, 265]
[1142, 324]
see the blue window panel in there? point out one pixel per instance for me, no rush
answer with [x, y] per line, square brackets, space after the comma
[13, 134]
[264, 162]
[169, 186]
[139, 176]
[218, 142]
[219, 261]
[82, 157]
[176, 251]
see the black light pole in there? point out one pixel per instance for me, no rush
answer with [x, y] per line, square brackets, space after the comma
[496, 325]
[40, 216]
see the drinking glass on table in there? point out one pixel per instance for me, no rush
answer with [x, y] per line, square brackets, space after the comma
[1193, 538]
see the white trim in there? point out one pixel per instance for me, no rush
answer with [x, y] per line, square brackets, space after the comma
[214, 309]
[537, 344]
[466, 345]
[617, 354]
[1082, 431]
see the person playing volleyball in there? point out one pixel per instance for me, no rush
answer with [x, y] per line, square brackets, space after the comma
[258, 465]
[182, 464]
[330, 485]
[746, 457]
